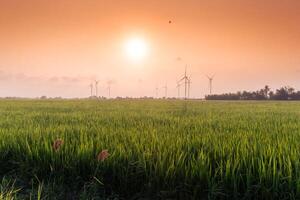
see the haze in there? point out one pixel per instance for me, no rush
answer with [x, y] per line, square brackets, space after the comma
[57, 47]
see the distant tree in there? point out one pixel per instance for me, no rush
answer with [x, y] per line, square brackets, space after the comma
[271, 95]
[260, 95]
[290, 90]
[266, 90]
[295, 96]
[283, 93]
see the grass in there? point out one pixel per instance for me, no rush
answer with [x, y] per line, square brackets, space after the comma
[158, 149]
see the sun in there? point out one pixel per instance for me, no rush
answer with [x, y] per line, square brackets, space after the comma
[136, 49]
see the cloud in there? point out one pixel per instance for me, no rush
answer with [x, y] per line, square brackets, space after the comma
[178, 59]
[54, 79]
[22, 77]
[140, 80]
[17, 77]
[109, 82]
[4, 76]
[70, 79]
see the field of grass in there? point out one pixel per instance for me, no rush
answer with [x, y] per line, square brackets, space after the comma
[158, 149]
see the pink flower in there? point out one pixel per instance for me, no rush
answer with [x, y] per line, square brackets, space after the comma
[57, 144]
[103, 155]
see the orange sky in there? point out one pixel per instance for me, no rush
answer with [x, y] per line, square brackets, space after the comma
[56, 47]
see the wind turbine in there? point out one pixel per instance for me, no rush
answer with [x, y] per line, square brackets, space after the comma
[109, 87]
[189, 85]
[156, 92]
[186, 80]
[178, 88]
[210, 79]
[166, 90]
[91, 87]
[96, 85]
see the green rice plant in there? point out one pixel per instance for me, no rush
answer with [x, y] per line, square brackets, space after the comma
[157, 149]
[8, 191]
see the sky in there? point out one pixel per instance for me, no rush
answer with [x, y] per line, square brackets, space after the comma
[58, 47]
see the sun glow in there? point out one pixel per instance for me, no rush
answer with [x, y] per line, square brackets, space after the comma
[136, 49]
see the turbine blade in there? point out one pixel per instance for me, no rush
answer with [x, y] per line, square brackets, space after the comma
[182, 79]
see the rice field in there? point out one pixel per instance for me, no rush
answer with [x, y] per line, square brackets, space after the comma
[149, 149]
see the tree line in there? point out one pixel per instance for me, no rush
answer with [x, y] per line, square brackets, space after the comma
[283, 93]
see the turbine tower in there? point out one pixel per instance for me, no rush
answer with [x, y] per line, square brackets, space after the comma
[156, 92]
[96, 85]
[166, 90]
[91, 87]
[189, 85]
[210, 79]
[109, 83]
[178, 89]
[186, 80]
